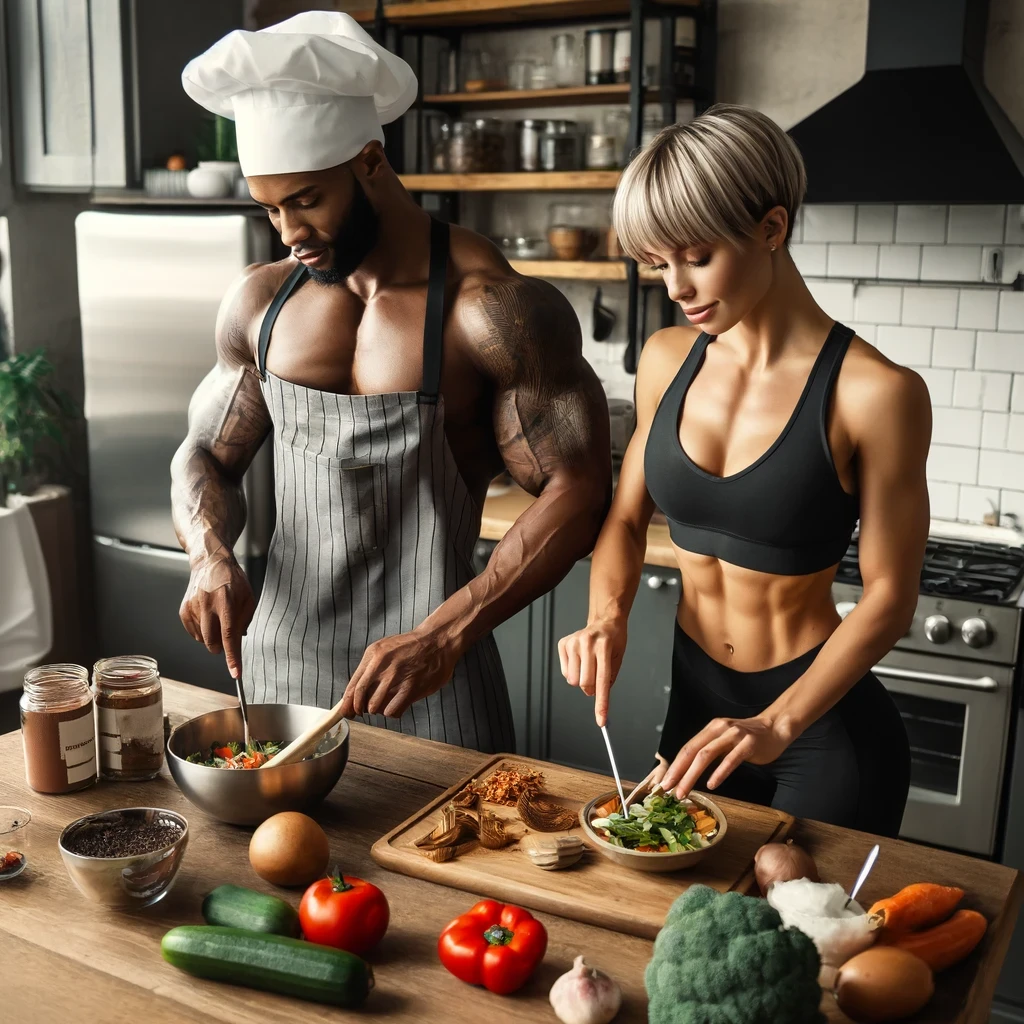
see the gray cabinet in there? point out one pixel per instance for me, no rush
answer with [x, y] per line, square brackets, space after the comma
[67, 85]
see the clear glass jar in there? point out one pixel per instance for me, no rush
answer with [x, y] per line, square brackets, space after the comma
[58, 729]
[441, 137]
[564, 60]
[129, 718]
[560, 146]
[477, 147]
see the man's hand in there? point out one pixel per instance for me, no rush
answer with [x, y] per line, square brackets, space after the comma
[397, 671]
[218, 608]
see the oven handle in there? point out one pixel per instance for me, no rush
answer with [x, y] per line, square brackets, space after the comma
[985, 683]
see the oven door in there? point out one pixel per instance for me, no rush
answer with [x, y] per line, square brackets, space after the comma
[957, 715]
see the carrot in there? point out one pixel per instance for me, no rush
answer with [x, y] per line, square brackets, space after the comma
[945, 944]
[916, 906]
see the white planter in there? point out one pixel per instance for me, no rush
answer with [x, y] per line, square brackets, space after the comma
[214, 179]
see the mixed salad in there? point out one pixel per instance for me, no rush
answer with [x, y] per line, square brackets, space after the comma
[234, 755]
[661, 824]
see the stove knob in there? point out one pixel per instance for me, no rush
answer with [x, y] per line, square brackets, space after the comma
[845, 607]
[976, 633]
[937, 629]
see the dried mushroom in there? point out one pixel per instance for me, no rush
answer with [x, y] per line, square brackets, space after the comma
[544, 815]
[494, 832]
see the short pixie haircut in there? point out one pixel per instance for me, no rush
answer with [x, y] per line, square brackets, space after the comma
[713, 178]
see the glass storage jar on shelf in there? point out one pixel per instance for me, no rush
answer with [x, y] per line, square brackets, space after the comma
[477, 147]
[565, 60]
[560, 146]
[572, 231]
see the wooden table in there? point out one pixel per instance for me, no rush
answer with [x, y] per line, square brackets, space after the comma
[62, 957]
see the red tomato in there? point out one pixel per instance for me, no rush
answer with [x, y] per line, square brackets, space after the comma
[344, 912]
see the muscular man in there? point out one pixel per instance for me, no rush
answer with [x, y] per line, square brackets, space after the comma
[400, 365]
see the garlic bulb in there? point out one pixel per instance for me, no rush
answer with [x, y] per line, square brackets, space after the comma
[585, 995]
[818, 910]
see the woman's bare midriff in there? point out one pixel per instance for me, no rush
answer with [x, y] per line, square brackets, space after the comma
[750, 620]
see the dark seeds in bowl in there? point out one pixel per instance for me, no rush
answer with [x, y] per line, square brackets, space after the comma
[122, 839]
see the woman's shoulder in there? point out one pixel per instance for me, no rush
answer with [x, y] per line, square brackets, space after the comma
[663, 354]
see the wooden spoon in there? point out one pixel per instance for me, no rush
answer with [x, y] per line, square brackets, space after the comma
[309, 740]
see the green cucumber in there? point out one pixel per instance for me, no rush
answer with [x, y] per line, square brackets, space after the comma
[235, 907]
[275, 963]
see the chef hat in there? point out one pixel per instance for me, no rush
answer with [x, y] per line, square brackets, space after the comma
[306, 94]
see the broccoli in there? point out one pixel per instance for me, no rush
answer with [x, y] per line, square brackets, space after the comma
[724, 958]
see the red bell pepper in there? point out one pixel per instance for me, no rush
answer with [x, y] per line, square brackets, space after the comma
[493, 945]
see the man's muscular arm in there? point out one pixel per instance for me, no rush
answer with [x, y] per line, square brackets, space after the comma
[227, 422]
[551, 424]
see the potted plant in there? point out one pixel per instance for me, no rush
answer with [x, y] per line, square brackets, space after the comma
[34, 418]
[219, 170]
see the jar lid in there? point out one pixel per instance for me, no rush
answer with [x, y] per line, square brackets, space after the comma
[560, 127]
[125, 671]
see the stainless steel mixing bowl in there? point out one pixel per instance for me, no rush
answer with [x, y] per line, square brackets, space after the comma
[251, 796]
[125, 883]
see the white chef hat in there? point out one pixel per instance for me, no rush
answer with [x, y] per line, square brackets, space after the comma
[306, 94]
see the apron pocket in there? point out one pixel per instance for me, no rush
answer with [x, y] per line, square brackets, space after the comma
[358, 489]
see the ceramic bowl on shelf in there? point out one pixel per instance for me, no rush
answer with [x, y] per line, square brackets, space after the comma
[523, 247]
[651, 862]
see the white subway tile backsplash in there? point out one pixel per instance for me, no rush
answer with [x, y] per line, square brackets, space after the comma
[1014, 225]
[961, 427]
[940, 385]
[868, 332]
[1015, 432]
[877, 303]
[1000, 352]
[875, 223]
[972, 390]
[1011, 311]
[796, 233]
[911, 346]
[953, 465]
[1017, 401]
[899, 262]
[930, 307]
[994, 426]
[829, 223]
[951, 263]
[976, 503]
[982, 224]
[921, 224]
[1012, 503]
[978, 308]
[997, 469]
[852, 260]
[811, 258]
[953, 348]
[835, 297]
[944, 499]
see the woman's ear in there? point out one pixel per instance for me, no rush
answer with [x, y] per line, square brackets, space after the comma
[775, 227]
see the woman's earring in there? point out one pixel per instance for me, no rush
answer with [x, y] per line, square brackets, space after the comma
[773, 248]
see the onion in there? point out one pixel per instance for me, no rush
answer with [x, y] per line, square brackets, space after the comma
[782, 862]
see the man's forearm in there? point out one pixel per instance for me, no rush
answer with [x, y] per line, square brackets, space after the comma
[207, 508]
[540, 548]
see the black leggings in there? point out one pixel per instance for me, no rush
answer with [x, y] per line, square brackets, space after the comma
[850, 768]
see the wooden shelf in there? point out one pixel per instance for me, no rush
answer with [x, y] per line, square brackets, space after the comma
[572, 96]
[579, 270]
[471, 13]
[544, 181]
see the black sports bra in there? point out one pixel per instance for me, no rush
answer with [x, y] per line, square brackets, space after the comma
[785, 514]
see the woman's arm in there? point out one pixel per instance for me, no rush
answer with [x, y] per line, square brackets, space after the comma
[590, 658]
[889, 421]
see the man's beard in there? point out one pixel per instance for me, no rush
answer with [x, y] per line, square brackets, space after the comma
[353, 241]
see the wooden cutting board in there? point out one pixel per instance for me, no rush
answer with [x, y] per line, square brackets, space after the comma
[596, 890]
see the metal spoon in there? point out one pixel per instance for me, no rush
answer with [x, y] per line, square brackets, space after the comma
[869, 863]
[615, 770]
[244, 707]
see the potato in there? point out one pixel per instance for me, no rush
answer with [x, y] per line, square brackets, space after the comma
[883, 983]
[289, 849]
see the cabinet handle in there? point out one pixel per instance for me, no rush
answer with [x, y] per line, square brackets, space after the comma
[657, 582]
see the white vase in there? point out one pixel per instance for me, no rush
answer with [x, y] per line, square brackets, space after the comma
[231, 169]
[206, 183]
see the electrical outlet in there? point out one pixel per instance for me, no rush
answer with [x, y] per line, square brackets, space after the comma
[992, 263]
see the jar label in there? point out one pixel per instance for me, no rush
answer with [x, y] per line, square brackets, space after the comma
[119, 725]
[78, 747]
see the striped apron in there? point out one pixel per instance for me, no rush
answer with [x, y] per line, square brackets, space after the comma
[375, 528]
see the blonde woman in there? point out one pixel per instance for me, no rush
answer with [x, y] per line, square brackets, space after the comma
[764, 432]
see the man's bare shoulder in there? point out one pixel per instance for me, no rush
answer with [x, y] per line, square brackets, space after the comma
[242, 309]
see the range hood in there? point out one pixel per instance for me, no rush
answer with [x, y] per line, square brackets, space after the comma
[920, 126]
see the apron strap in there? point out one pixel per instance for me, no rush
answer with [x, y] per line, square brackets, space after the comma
[291, 282]
[433, 327]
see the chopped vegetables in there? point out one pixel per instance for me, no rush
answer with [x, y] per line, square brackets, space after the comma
[508, 784]
[661, 824]
[11, 863]
[231, 754]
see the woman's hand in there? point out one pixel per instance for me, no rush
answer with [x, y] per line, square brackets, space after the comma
[759, 740]
[590, 659]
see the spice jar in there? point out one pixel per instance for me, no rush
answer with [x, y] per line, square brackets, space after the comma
[559, 146]
[476, 147]
[58, 729]
[129, 718]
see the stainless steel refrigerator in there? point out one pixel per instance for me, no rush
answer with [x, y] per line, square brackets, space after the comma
[150, 285]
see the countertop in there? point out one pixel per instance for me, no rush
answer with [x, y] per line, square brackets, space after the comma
[501, 511]
[62, 957]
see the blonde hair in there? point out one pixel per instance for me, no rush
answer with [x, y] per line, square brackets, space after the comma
[712, 178]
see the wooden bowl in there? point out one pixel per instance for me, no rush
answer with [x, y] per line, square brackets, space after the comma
[652, 862]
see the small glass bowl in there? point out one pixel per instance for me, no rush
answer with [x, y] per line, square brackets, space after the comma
[14, 838]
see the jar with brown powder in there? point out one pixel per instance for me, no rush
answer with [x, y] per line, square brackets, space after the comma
[58, 729]
[129, 718]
